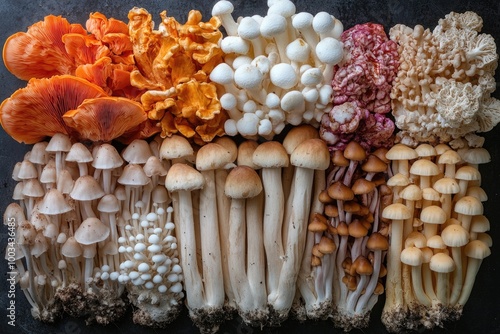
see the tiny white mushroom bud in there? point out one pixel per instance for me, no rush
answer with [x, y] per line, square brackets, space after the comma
[104, 276]
[230, 127]
[173, 278]
[177, 269]
[154, 248]
[169, 226]
[161, 269]
[105, 268]
[114, 275]
[139, 257]
[293, 101]
[133, 275]
[311, 77]
[122, 249]
[265, 127]
[158, 230]
[176, 288]
[140, 236]
[153, 239]
[146, 277]
[158, 258]
[122, 240]
[143, 267]
[272, 101]
[157, 279]
[130, 249]
[234, 44]
[152, 216]
[162, 289]
[240, 61]
[149, 285]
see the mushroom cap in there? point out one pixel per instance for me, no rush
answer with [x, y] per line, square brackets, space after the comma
[433, 214]
[245, 153]
[302, 20]
[79, 153]
[411, 192]
[297, 135]
[59, 142]
[242, 182]
[441, 148]
[330, 51]
[13, 210]
[446, 185]
[105, 118]
[228, 143]
[339, 159]
[270, 154]
[174, 147]
[54, 203]
[108, 204]
[272, 25]
[430, 194]
[107, 157]
[40, 245]
[357, 229]
[415, 238]
[222, 74]
[401, 152]
[91, 231]
[362, 266]
[283, 75]
[467, 173]
[32, 113]
[154, 166]
[137, 152]
[477, 192]
[412, 256]
[449, 157]
[298, 51]
[33, 188]
[248, 76]
[373, 164]
[71, 248]
[436, 242]
[377, 241]
[424, 167]
[212, 156]
[248, 28]
[455, 236]
[477, 249]
[396, 211]
[183, 177]
[477, 155]
[479, 224]
[425, 150]
[362, 186]
[339, 191]
[326, 245]
[469, 205]
[27, 170]
[354, 151]
[86, 188]
[312, 154]
[222, 7]
[442, 263]
[398, 180]
[133, 175]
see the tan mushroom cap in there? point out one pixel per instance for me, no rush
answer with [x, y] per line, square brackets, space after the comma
[109, 203]
[446, 185]
[477, 249]
[362, 186]
[71, 248]
[133, 175]
[106, 157]
[415, 238]
[270, 154]
[412, 256]
[467, 173]
[175, 147]
[411, 192]
[79, 153]
[311, 154]
[433, 214]
[436, 242]
[477, 155]
[54, 203]
[33, 188]
[86, 188]
[154, 166]
[469, 205]
[245, 154]
[477, 192]
[430, 194]
[297, 135]
[137, 152]
[401, 152]
[455, 236]
[373, 164]
[479, 224]
[396, 211]
[377, 241]
[242, 182]
[398, 180]
[442, 263]
[424, 167]
[425, 150]
[339, 191]
[449, 157]
[212, 156]
[228, 143]
[91, 231]
[326, 245]
[338, 159]
[58, 143]
[183, 177]
[441, 148]
[354, 151]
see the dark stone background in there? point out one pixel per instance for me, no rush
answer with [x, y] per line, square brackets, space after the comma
[482, 312]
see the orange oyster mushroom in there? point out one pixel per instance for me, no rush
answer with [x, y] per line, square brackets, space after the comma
[105, 118]
[32, 113]
[173, 64]
[40, 52]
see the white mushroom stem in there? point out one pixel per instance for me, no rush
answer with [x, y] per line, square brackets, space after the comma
[442, 288]
[456, 254]
[31, 274]
[394, 293]
[428, 281]
[223, 210]
[237, 255]
[256, 263]
[418, 289]
[210, 242]
[187, 241]
[470, 276]
[273, 222]
[302, 189]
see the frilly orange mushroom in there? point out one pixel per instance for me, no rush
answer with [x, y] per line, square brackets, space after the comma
[105, 118]
[173, 64]
[40, 52]
[35, 112]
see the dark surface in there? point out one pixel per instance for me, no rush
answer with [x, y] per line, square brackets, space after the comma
[482, 312]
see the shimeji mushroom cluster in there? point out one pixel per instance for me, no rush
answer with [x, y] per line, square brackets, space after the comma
[311, 225]
[438, 233]
[277, 69]
[91, 223]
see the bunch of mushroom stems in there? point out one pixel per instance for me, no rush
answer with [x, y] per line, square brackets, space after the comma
[95, 222]
[349, 239]
[438, 234]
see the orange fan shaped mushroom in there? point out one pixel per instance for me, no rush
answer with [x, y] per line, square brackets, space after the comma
[40, 52]
[106, 118]
[35, 112]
